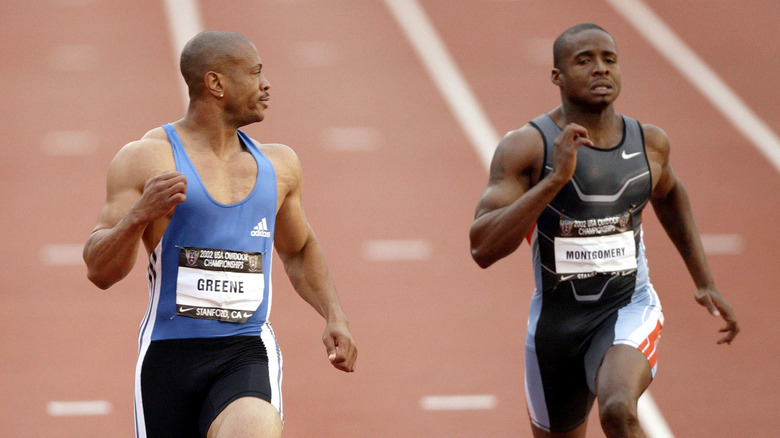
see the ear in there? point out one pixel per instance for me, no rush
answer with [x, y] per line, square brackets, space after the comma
[213, 82]
[555, 77]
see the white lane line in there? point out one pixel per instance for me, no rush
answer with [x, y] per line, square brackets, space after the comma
[315, 54]
[446, 75]
[701, 76]
[73, 58]
[184, 21]
[650, 417]
[82, 142]
[62, 255]
[351, 139]
[434, 55]
[458, 402]
[723, 243]
[397, 250]
[78, 408]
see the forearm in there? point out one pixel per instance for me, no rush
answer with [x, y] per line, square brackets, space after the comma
[110, 254]
[497, 233]
[676, 216]
[311, 279]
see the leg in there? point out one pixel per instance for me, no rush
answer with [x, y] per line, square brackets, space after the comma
[577, 432]
[169, 388]
[556, 386]
[622, 378]
[245, 400]
[247, 417]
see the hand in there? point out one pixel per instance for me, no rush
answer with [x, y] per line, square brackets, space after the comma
[161, 194]
[340, 346]
[717, 306]
[565, 149]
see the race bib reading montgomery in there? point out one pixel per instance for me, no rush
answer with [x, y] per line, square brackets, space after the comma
[219, 284]
[580, 257]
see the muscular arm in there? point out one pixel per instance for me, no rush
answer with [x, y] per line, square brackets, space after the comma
[304, 264]
[511, 203]
[673, 208]
[135, 197]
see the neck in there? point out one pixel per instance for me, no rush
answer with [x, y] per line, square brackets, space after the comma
[605, 127]
[590, 118]
[206, 128]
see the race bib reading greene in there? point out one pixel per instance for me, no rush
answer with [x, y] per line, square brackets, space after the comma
[219, 284]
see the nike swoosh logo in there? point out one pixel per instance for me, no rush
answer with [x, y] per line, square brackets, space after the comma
[567, 277]
[627, 156]
[185, 309]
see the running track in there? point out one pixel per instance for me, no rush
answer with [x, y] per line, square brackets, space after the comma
[387, 165]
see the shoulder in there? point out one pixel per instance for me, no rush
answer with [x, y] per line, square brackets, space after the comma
[655, 137]
[527, 137]
[521, 150]
[285, 162]
[280, 154]
[139, 160]
[656, 142]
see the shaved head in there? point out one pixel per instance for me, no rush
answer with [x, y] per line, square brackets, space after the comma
[562, 42]
[211, 50]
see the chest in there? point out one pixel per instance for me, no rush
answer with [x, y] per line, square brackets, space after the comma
[227, 181]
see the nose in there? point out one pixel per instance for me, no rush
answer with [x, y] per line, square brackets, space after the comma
[600, 67]
[264, 84]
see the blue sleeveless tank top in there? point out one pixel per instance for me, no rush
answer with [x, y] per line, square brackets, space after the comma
[210, 275]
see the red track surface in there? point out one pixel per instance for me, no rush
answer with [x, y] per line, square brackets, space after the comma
[439, 326]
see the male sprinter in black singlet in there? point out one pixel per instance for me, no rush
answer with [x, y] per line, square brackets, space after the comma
[574, 181]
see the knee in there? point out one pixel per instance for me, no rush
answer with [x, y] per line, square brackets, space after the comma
[618, 414]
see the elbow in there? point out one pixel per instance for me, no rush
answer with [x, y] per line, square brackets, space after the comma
[478, 251]
[483, 260]
[101, 281]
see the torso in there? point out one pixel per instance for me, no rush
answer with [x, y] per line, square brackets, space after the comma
[227, 182]
[597, 212]
[210, 266]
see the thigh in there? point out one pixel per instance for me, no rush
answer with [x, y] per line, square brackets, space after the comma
[252, 375]
[623, 375]
[636, 325]
[577, 432]
[557, 393]
[247, 417]
[172, 389]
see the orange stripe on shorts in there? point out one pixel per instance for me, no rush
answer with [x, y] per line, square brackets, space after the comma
[649, 345]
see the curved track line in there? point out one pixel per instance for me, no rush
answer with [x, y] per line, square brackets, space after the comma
[418, 29]
[701, 76]
[185, 22]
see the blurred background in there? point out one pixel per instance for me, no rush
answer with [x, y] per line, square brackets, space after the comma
[393, 107]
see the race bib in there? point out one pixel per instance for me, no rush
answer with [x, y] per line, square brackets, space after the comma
[219, 284]
[582, 257]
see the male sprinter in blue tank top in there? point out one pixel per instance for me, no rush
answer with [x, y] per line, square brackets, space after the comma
[574, 182]
[210, 205]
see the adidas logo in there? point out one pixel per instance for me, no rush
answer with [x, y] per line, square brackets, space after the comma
[260, 230]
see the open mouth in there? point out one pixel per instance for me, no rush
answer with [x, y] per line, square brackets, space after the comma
[602, 88]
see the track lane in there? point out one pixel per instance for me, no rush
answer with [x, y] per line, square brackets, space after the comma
[424, 328]
[654, 93]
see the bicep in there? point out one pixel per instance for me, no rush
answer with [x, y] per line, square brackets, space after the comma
[658, 151]
[498, 195]
[132, 166]
[515, 162]
[122, 191]
[292, 229]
